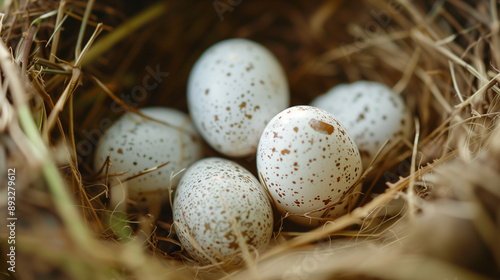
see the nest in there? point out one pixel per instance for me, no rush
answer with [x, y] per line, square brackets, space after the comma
[430, 207]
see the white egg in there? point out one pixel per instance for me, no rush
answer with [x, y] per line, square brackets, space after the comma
[308, 161]
[218, 205]
[234, 89]
[135, 144]
[370, 111]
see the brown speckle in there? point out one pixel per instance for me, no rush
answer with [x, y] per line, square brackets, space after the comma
[321, 126]
[207, 228]
[285, 151]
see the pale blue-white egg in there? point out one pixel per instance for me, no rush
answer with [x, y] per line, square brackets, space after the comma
[308, 162]
[135, 144]
[234, 89]
[218, 206]
[371, 112]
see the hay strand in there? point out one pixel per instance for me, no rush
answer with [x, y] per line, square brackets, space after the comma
[421, 197]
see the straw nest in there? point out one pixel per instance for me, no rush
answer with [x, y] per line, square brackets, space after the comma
[431, 206]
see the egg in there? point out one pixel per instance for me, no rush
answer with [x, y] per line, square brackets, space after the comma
[234, 89]
[308, 161]
[219, 206]
[135, 144]
[370, 111]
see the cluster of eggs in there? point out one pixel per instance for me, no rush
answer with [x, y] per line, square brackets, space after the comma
[309, 158]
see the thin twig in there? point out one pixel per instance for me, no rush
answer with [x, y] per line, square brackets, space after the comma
[70, 88]
[57, 33]
[83, 26]
[122, 32]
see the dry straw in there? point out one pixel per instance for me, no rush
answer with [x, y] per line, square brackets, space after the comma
[430, 207]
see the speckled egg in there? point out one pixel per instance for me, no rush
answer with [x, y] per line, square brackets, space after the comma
[135, 144]
[218, 205]
[307, 161]
[234, 89]
[370, 111]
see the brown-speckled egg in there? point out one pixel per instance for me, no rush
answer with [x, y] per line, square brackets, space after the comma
[218, 206]
[234, 89]
[371, 112]
[308, 161]
[135, 144]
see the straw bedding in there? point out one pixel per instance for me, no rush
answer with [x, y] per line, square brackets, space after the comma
[430, 207]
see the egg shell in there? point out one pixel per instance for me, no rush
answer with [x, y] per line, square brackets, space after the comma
[135, 144]
[370, 111]
[215, 198]
[307, 161]
[234, 89]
